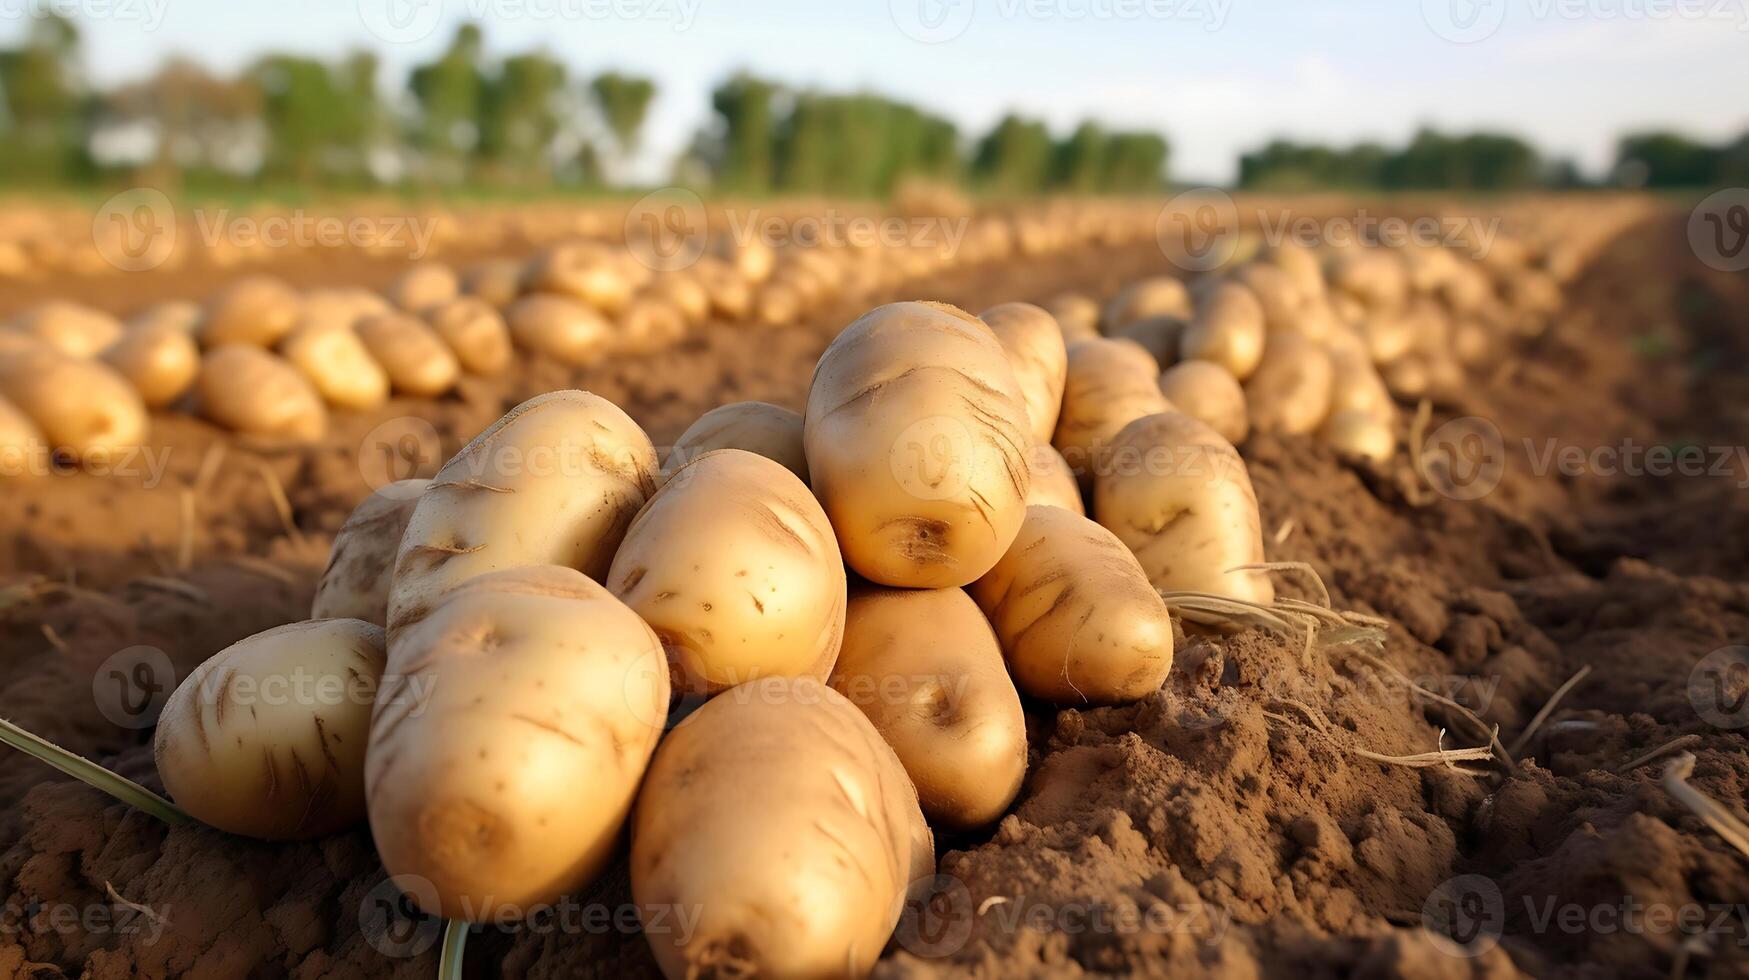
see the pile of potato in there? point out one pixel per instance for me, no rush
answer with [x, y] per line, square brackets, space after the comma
[781, 655]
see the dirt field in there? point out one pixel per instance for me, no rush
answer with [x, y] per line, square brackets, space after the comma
[1229, 825]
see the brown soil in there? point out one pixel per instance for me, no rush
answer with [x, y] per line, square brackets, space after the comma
[1211, 829]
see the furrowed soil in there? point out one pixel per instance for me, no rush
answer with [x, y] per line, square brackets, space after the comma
[1272, 810]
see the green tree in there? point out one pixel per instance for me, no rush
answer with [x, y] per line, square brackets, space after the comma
[624, 101]
[1079, 162]
[43, 107]
[1014, 157]
[451, 93]
[521, 118]
[1665, 159]
[1134, 163]
[748, 116]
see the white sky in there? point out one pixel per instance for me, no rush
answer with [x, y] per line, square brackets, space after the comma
[1216, 76]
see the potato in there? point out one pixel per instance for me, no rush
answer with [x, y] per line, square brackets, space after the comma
[355, 585]
[337, 308]
[255, 310]
[338, 364]
[160, 360]
[556, 481]
[1144, 299]
[1290, 391]
[925, 667]
[1360, 434]
[497, 282]
[249, 390]
[1301, 265]
[1205, 391]
[751, 258]
[1179, 497]
[15, 342]
[734, 565]
[1355, 384]
[1377, 277]
[267, 737]
[916, 434]
[509, 741]
[474, 332]
[1034, 345]
[560, 328]
[23, 446]
[1109, 384]
[1053, 482]
[1228, 329]
[648, 325]
[1078, 622]
[424, 286]
[778, 814]
[1076, 315]
[731, 296]
[1160, 336]
[72, 329]
[84, 408]
[1283, 304]
[685, 293]
[778, 304]
[588, 272]
[417, 361]
[1408, 377]
[757, 427]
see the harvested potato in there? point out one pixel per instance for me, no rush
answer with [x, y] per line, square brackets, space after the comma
[1109, 384]
[84, 408]
[731, 296]
[1355, 384]
[752, 259]
[1360, 434]
[180, 314]
[424, 286]
[1228, 329]
[355, 585]
[338, 364]
[1076, 315]
[1408, 377]
[23, 446]
[249, 390]
[14, 342]
[1275, 292]
[497, 282]
[916, 435]
[267, 737]
[509, 740]
[757, 427]
[1205, 391]
[255, 310]
[1290, 391]
[1053, 482]
[1145, 299]
[925, 667]
[649, 324]
[417, 362]
[1377, 277]
[1301, 265]
[779, 814]
[1160, 336]
[589, 272]
[1180, 498]
[556, 481]
[474, 332]
[72, 329]
[1034, 345]
[341, 308]
[685, 293]
[560, 328]
[1077, 620]
[160, 360]
[778, 304]
[1388, 336]
[734, 565]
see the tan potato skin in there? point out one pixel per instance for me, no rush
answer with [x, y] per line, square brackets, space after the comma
[1365, 435]
[1053, 482]
[509, 738]
[1290, 391]
[1227, 330]
[588, 272]
[1205, 391]
[735, 567]
[249, 390]
[85, 408]
[475, 332]
[556, 481]
[560, 328]
[1077, 620]
[256, 310]
[355, 585]
[1145, 299]
[686, 293]
[423, 287]
[758, 427]
[1077, 316]
[916, 436]
[337, 363]
[1109, 384]
[267, 737]
[161, 362]
[777, 817]
[925, 667]
[1034, 345]
[21, 441]
[72, 329]
[417, 361]
[1160, 336]
[1179, 497]
[497, 282]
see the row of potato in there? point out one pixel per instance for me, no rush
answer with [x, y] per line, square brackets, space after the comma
[860, 595]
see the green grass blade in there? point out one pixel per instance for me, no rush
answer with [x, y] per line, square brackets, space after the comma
[92, 774]
[455, 941]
